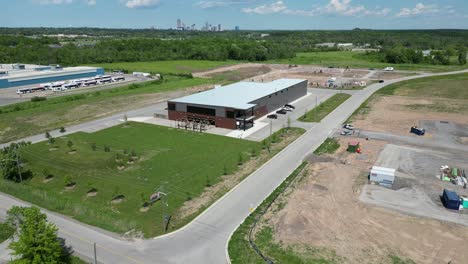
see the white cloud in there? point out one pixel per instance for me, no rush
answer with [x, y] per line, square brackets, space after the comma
[205, 4]
[91, 2]
[273, 8]
[53, 2]
[419, 9]
[142, 3]
[338, 7]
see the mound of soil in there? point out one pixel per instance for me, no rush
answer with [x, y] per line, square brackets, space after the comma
[118, 199]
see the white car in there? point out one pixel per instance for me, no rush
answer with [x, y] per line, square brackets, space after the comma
[348, 126]
[346, 133]
[389, 69]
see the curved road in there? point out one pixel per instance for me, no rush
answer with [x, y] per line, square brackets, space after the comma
[205, 239]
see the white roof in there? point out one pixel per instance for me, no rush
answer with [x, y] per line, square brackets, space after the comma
[383, 170]
[20, 75]
[238, 95]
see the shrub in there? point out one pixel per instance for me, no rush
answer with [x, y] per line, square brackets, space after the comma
[38, 99]
[62, 130]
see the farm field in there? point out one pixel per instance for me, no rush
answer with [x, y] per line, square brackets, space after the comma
[30, 118]
[351, 59]
[323, 109]
[165, 67]
[179, 163]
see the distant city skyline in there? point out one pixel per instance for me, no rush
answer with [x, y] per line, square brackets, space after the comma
[246, 14]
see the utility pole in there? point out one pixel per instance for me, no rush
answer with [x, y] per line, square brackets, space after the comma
[95, 254]
[163, 198]
[271, 127]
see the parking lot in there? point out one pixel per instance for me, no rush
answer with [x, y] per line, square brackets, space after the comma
[9, 95]
[417, 159]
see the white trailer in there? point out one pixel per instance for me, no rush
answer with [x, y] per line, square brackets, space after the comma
[382, 176]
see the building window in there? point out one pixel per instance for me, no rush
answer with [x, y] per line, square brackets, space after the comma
[171, 106]
[269, 96]
[201, 110]
[276, 93]
[230, 114]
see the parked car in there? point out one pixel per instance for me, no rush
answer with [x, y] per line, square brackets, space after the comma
[418, 131]
[290, 106]
[381, 81]
[346, 133]
[282, 112]
[287, 109]
[389, 69]
[348, 126]
[272, 116]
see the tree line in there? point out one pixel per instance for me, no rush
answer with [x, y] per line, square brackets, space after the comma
[35, 45]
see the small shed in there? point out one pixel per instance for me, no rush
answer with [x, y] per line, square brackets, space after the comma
[354, 146]
[382, 176]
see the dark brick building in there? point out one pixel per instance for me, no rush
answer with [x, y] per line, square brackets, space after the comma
[237, 105]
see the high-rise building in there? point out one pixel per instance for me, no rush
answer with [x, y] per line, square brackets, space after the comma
[219, 27]
[179, 23]
[237, 28]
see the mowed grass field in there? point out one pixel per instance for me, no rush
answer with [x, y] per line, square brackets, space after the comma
[358, 60]
[175, 67]
[30, 118]
[180, 162]
[448, 86]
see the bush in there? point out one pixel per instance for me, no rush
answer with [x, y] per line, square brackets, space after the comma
[62, 130]
[38, 99]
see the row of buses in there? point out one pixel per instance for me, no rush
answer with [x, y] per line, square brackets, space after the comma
[63, 86]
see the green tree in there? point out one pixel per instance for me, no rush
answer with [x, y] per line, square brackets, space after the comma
[37, 240]
[462, 58]
[62, 130]
[47, 135]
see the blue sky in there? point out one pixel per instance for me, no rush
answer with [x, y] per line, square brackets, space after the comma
[247, 14]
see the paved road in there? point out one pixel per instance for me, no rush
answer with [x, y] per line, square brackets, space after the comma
[205, 239]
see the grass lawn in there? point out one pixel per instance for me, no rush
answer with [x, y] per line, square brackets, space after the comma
[182, 163]
[323, 109]
[358, 60]
[329, 146]
[6, 231]
[449, 86]
[175, 67]
[30, 118]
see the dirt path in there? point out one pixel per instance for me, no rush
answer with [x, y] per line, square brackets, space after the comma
[324, 211]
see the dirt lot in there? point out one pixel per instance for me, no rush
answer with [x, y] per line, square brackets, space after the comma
[396, 114]
[324, 211]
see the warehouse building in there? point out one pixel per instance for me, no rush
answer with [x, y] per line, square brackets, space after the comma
[237, 105]
[14, 75]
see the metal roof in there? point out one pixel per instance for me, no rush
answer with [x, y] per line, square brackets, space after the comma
[238, 95]
[18, 75]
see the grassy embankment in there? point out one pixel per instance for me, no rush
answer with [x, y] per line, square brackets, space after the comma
[351, 59]
[82, 181]
[447, 94]
[164, 67]
[329, 146]
[323, 109]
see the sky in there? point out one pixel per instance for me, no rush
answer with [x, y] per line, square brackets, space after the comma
[247, 14]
